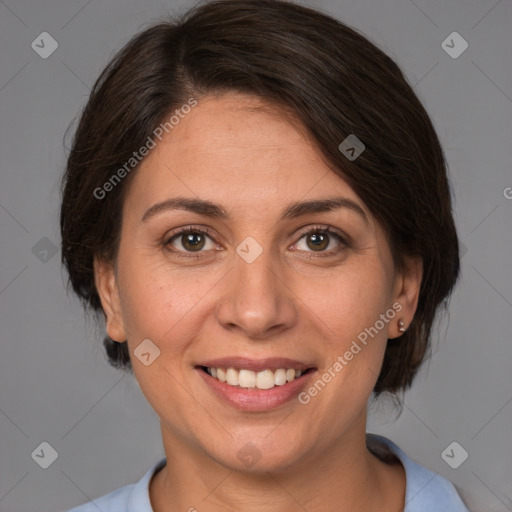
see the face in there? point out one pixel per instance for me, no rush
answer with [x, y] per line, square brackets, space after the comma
[282, 292]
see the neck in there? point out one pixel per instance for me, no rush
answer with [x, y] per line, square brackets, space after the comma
[339, 478]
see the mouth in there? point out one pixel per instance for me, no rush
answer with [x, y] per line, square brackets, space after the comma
[250, 379]
[255, 385]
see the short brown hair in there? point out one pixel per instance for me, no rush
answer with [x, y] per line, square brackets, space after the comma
[334, 80]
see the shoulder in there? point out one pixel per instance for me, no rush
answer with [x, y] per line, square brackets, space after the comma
[130, 498]
[425, 490]
[116, 500]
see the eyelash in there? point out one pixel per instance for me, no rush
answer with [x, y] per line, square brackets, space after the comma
[344, 243]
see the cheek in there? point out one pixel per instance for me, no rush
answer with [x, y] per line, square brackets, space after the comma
[347, 301]
[158, 303]
[348, 308]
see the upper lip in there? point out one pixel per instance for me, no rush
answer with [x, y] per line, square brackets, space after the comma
[244, 363]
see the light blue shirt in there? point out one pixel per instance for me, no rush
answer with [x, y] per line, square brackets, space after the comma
[425, 490]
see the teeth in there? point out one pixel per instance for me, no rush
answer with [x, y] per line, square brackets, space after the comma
[266, 379]
[290, 375]
[232, 377]
[280, 377]
[246, 378]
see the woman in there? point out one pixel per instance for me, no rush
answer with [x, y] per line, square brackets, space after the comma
[257, 203]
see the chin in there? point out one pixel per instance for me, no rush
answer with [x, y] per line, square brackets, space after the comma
[259, 456]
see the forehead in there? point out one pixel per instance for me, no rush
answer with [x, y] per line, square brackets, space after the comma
[237, 150]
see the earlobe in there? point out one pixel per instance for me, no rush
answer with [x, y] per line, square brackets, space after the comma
[106, 286]
[407, 294]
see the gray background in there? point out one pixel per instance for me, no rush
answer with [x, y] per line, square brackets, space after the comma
[55, 384]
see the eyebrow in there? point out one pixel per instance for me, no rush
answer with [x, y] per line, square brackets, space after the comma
[292, 211]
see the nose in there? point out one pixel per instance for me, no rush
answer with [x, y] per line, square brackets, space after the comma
[257, 300]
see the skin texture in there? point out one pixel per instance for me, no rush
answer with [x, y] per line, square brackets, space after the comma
[238, 152]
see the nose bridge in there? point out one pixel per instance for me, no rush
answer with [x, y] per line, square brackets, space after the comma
[257, 299]
[256, 275]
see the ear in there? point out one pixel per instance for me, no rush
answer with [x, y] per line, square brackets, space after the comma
[106, 285]
[407, 292]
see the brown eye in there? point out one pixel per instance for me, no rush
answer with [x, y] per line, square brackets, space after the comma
[321, 240]
[317, 241]
[190, 240]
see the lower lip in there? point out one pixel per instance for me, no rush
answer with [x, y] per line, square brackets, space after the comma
[253, 399]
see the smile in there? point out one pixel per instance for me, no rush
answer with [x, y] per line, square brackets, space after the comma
[255, 385]
[243, 378]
